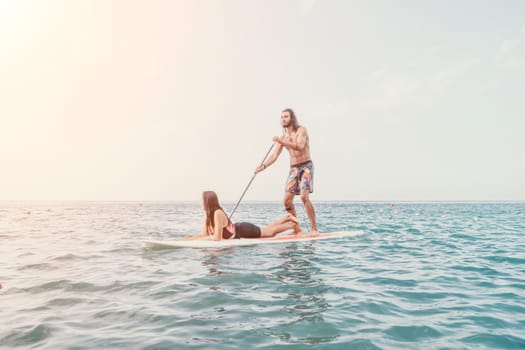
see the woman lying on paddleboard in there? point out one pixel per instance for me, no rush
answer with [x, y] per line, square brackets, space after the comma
[218, 226]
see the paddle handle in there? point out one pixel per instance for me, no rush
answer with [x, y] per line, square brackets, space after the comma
[249, 183]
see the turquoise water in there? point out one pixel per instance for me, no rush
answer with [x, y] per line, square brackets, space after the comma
[422, 276]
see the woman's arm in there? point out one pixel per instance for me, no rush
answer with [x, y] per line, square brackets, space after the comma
[220, 221]
[203, 235]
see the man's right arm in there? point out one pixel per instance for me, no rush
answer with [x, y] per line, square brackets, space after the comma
[271, 159]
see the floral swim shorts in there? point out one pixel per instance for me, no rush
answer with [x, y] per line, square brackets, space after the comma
[301, 177]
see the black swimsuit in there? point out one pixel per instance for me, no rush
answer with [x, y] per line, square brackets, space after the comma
[241, 230]
[227, 230]
[247, 230]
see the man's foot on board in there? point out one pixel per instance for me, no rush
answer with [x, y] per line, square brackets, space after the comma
[314, 231]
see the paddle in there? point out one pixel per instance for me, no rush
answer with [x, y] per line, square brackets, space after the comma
[249, 183]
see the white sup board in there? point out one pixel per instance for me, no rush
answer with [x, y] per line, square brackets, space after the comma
[207, 243]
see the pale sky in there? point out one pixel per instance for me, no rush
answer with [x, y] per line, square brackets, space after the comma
[160, 100]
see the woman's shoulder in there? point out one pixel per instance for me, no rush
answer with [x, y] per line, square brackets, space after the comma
[219, 213]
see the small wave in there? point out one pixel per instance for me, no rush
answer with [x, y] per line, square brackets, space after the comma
[506, 259]
[121, 286]
[65, 301]
[420, 297]
[383, 281]
[61, 285]
[485, 270]
[42, 266]
[488, 322]
[379, 308]
[496, 341]
[67, 257]
[412, 333]
[32, 336]
[364, 344]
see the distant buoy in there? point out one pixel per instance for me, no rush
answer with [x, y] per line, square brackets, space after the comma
[393, 204]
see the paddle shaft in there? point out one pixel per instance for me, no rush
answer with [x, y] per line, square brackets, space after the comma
[249, 183]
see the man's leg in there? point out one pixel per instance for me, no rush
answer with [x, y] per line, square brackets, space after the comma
[288, 203]
[308, 206]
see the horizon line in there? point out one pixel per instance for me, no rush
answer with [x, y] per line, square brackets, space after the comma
[266, 200]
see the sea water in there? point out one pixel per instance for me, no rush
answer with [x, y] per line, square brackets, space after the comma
[421, 276]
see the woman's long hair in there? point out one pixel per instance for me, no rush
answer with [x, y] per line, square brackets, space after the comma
[211, 204]
[293, 118]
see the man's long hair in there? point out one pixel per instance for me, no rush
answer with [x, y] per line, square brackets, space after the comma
[293, 118]
[211, 204]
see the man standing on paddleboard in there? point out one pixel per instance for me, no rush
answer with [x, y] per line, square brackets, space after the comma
[300, 179]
